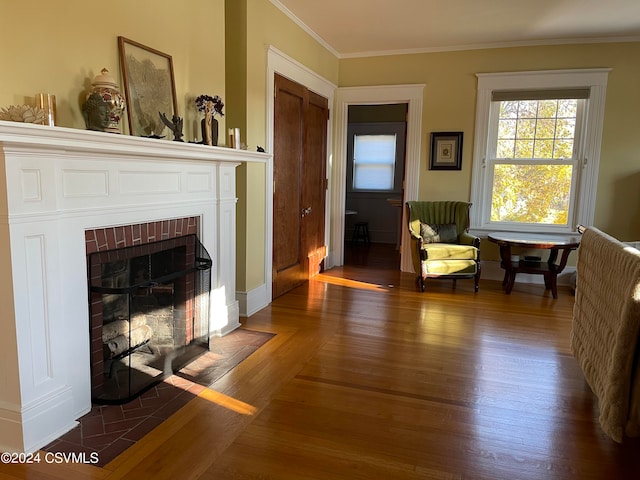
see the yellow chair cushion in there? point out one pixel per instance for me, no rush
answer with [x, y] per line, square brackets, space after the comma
[449, 267]
[449, 251]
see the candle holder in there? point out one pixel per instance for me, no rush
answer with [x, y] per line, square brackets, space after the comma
[47, 103]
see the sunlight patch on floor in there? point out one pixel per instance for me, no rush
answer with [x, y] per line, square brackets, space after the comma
[228, 402]
[345, 282]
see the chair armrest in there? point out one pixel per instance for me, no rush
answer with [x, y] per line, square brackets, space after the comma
[422, 253]
[468, 239]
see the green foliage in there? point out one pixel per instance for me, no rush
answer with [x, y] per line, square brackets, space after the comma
[531, 193]
[536, 129]
[534, 193]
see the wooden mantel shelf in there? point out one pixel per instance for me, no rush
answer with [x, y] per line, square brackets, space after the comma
[71, 139]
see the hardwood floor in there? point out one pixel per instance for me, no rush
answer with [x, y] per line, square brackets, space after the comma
[368, 378]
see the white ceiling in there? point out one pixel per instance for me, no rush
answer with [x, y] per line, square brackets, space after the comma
[351, 28]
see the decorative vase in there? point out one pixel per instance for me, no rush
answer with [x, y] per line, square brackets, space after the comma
[106, 87]
[209, 127]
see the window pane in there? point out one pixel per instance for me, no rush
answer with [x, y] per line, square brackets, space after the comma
[526, 128]
[544, 121]
[547, 108]
[373, 177]
[374, 162]
[566, 128]
[527, 108]
[508, 109]
[546, 129]
[563, 149]
[543, 149]
[506, 129]
[531, 193]
[524, 149]
[505, 149]
[567, 108]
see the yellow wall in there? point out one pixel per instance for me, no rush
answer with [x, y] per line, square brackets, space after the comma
[450, 100]
[265, 25]
[58, 46]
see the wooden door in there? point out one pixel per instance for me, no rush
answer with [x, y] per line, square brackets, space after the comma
[300, 140]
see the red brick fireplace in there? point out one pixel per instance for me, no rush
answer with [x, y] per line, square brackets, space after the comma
[160, 324]
[111, 238]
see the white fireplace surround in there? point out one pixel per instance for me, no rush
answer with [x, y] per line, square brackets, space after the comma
[60, 182]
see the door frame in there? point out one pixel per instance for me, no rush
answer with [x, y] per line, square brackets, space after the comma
[339, 101]
[374, 95]
[279, 62]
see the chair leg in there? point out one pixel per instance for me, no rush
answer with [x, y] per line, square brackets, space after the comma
[420, 283]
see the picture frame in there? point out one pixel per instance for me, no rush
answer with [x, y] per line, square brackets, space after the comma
[446, 151]
[149, 87]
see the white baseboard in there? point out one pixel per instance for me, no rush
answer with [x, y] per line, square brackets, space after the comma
[30, 427]
[252, 301]
[232, 322]
[255, 300]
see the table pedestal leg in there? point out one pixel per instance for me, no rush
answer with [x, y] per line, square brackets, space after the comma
[510, 282]
[509, 273]
[553, 284]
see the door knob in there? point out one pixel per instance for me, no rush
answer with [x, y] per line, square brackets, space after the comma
[306, 211]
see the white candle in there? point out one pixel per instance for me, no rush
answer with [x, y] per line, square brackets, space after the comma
[237, 138]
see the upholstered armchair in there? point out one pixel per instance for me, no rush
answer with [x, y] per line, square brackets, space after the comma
[442, 245]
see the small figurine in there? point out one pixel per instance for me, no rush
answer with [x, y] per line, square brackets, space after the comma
[175, 125]
[96, 113]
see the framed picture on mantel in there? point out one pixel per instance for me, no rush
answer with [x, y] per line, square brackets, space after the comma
[149, 87]
[446, 151]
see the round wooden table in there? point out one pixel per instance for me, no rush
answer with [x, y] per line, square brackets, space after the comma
[549, 269]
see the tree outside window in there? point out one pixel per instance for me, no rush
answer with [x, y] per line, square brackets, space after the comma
[526, 187]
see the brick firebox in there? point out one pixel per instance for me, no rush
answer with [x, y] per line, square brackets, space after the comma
[119, 237]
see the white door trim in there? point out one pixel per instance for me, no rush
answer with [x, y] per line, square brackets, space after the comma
[374, 95]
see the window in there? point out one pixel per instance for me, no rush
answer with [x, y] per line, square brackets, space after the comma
[374, 161]
[375, 157]
[537, 150]
[532, 158]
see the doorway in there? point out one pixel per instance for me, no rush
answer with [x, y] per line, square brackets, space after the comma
[412, 95]
[376, 138]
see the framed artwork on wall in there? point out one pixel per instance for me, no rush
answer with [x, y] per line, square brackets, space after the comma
[446, 151]
[149, 87]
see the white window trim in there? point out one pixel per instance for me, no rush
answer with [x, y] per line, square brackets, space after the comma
[596, 81]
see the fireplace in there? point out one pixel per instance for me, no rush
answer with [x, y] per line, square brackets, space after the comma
[64, 190]
[149, 309]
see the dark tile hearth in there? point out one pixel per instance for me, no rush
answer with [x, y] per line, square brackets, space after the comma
[111, 429]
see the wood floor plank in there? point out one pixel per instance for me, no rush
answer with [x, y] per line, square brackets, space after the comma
[367, 377]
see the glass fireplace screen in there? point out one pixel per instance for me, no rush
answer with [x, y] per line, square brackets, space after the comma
[149, 311]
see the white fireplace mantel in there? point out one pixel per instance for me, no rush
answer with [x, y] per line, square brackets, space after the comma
[55, 183]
